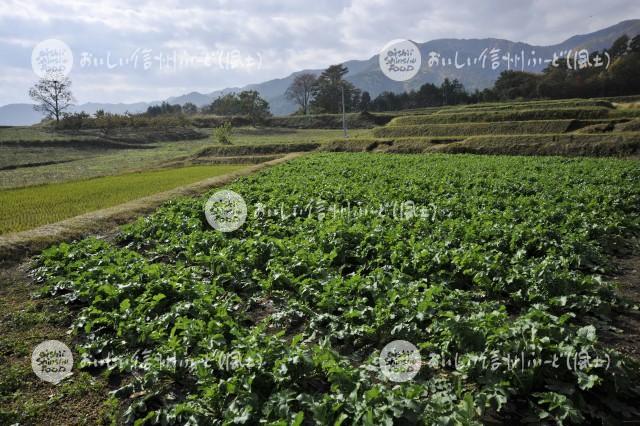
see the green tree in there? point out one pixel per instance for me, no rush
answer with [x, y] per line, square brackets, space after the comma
[163, 109]
[225, 105]
[516, 84]
[365, 101]
[619, 47]
[189, 108]
[623, 75]
[327, 92]
[253, 106]
[634, 46]
[453, 92]
[428, 95]
[248, 103]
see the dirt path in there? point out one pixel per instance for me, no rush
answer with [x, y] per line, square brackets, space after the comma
[24, 398]
[626, 335]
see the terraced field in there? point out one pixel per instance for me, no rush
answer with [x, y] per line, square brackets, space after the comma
[528, 128]
[36, 156]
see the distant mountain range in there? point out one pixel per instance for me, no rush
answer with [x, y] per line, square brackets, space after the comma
[365, 74]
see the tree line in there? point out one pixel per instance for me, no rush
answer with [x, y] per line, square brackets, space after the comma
[565, 81]
[322, 94]
[560, 81]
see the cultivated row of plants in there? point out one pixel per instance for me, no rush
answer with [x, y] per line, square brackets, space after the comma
[480, 262]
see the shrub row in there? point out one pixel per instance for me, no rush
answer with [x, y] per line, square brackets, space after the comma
[362, 120]
[111, 121]
[217, 120]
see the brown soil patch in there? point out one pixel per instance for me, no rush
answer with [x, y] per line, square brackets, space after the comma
[626, 335]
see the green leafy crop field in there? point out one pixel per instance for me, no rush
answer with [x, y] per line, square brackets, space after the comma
[491, 266]
[26, 208]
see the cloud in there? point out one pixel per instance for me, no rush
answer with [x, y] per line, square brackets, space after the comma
[284, 35]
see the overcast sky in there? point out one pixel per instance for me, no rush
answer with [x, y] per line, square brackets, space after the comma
[236, 42]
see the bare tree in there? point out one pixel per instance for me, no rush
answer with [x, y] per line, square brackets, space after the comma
[52, 95]
[301, 90]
